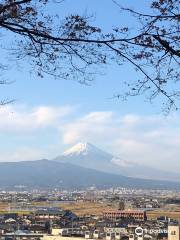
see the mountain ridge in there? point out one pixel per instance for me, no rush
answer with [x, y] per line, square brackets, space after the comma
[76, 169]
[50, 174]
[89, 156]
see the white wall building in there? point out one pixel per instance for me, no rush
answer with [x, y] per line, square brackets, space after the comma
[173, 232]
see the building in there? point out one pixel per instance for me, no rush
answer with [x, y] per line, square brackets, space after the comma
[121, 206]
[51, 237]
[49, 214]
[21, 235]
[114, 215]
[173, 232]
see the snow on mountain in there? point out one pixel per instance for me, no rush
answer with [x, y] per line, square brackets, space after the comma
[79, 148]
[89, 156]
[86, 155]
[83, 149]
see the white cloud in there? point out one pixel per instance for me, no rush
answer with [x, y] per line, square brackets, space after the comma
[23, 154]
[130, 120]
[150, 140]
[21, 119]
[90, 127]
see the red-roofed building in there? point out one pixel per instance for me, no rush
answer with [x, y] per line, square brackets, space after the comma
[114, 215]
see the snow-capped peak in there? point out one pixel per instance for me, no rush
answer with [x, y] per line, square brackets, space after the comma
[81, 149]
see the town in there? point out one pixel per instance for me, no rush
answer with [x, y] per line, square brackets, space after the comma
[110, 214]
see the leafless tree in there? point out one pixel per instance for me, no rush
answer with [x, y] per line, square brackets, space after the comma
[75, 49]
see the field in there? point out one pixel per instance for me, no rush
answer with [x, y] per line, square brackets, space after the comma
[89, 208]
[3, 206]
[170, 210]
[86, 208]
[79, 208]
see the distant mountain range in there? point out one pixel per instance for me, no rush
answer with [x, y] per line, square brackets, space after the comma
[81, 166]
[51, 174]
[89, 156]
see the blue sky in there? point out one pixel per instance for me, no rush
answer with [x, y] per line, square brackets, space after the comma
[32, 90]
[51, 115]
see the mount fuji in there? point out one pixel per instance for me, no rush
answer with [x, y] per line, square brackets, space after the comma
[82, 166]
[89, 156]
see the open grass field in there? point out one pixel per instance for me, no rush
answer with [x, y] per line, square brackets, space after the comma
[90, 208]
[86, 208]
[170, 214]
[79, 208]
[3, 206]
